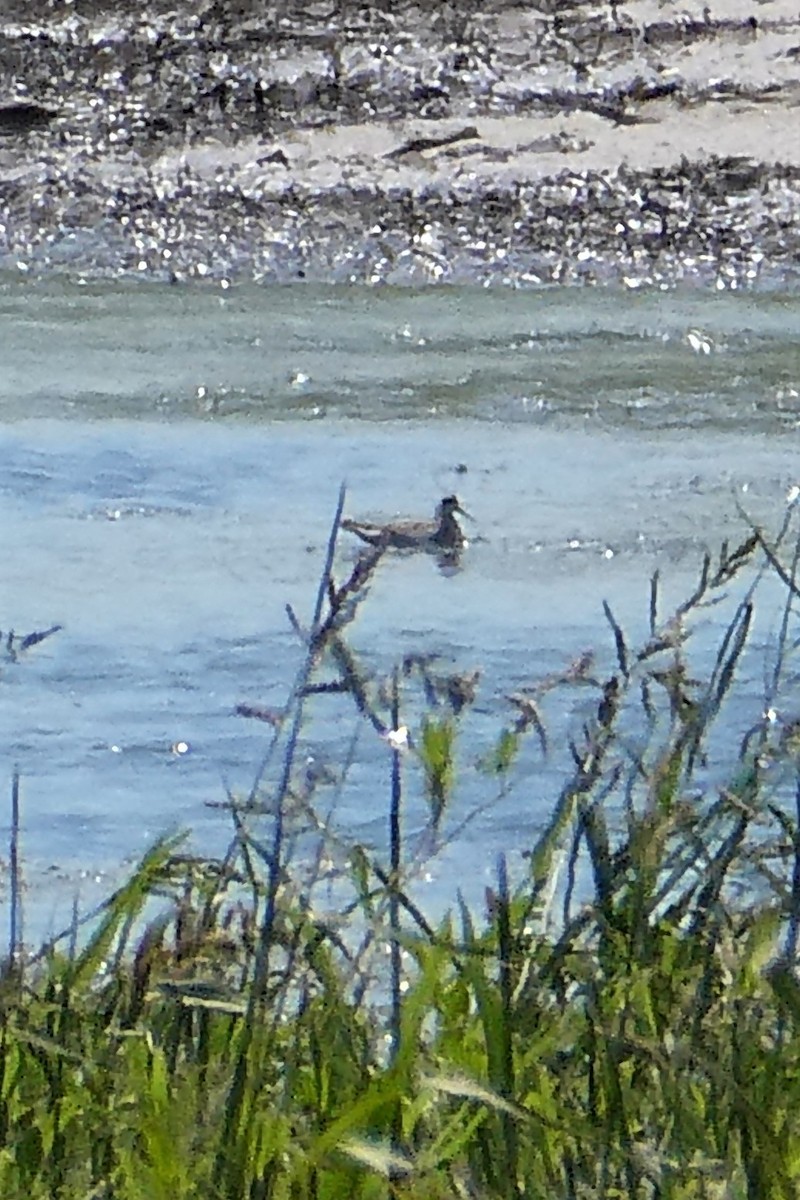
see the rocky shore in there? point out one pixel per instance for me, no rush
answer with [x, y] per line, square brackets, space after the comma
[643, 142]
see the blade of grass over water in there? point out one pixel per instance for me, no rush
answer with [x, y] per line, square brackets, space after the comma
[15, 878]
[620, 1018]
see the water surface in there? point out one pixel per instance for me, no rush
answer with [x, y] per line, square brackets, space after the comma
[169, 464]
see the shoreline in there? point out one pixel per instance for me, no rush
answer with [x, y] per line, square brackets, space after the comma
[592, 145]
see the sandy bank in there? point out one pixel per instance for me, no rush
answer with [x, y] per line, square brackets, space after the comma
[403, 143]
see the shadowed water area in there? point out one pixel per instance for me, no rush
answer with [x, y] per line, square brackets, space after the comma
[169, 466]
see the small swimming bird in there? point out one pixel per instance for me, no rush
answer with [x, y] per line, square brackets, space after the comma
[443, 533]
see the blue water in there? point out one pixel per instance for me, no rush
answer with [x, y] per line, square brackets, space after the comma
[169, 465]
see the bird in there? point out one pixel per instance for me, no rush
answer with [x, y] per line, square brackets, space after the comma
[443, 534]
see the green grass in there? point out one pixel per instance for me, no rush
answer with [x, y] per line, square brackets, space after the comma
[636, 1034]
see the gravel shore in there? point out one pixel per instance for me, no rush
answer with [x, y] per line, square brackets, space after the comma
[403, 143]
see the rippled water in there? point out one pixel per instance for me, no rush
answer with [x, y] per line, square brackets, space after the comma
[169, 464]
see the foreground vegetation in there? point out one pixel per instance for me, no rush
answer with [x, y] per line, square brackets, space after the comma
[624, 1021]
